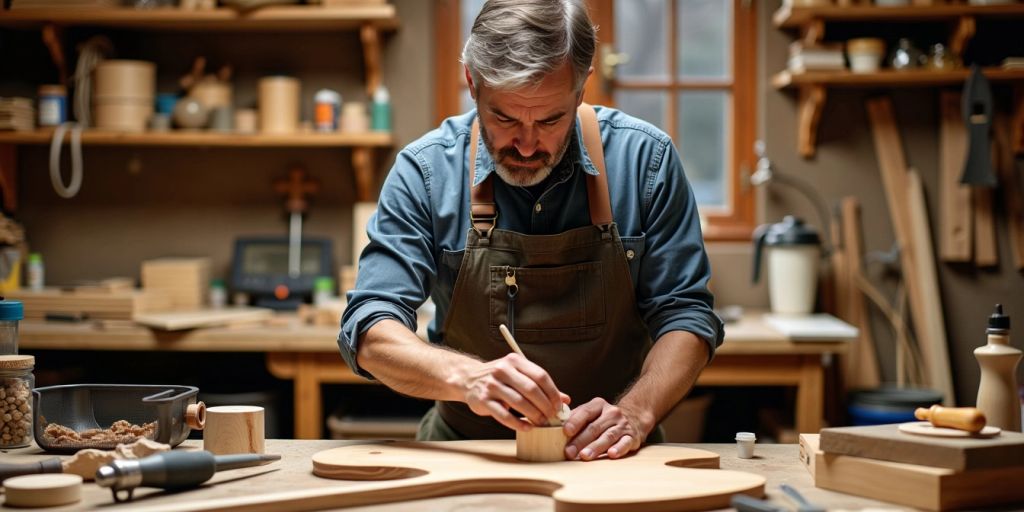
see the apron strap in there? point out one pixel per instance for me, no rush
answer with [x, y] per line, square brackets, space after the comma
[483, 212]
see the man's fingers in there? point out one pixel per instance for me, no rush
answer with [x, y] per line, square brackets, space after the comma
[622, 447]
[582, 416]
[547, 398]
[501, 414]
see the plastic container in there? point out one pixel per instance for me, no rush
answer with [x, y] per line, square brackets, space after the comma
[745, 444]
[889, 405]
[218, 294]
[323, 290]
[36, 272]
[11, 312]
[16, 383]
[70, 418]
[326, 110]
[380, 112]
[53, 105]
[865, 54]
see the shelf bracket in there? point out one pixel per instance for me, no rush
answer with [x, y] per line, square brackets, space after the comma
[813, 33]
[965, 29]
[1017, 121]
[9, 177]
[362, 164]
[370, 37]
[812, 102]
[51, 35]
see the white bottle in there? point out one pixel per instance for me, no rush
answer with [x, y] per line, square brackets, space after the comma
[997, 393]
[35, 272]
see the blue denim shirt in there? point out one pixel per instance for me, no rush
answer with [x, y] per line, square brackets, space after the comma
[419, 230]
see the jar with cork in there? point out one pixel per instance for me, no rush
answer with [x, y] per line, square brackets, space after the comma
[11, 312]
[16, 383]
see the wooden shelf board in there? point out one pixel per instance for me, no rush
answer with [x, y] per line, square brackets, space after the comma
[268, 18]
[888, 78]
[184, 138]
[794, 17]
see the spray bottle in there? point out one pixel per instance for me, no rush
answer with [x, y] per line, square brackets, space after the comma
[997, 392]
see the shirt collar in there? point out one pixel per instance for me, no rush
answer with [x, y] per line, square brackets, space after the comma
[577, 150]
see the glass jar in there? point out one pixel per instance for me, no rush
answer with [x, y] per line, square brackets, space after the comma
[940, 59]
[905, 56]
[11, 312]
[16, 383]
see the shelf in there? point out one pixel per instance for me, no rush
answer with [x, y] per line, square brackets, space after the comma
[888, 78]
[795, 17]
[207, 139]
[381, 16]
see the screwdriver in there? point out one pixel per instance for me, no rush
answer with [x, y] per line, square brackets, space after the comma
[172, 471]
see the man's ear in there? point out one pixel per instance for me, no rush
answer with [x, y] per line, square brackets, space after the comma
[469, 81]
[579, 99]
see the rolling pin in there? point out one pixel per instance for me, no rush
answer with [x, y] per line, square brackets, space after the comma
[970, 419]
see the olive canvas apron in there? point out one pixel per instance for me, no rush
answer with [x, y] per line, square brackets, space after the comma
[568, 298]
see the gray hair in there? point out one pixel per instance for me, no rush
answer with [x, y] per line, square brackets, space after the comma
[515, 43]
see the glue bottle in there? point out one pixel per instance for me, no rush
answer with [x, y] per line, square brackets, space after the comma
[997, 392]
[380, 112]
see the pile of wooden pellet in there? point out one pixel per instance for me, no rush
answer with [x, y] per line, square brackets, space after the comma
[15, 412]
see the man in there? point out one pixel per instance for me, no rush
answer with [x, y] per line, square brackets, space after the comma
[535, 247]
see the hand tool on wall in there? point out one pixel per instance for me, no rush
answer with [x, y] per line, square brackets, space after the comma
[171, 471]
[977, 112]
[295, 188]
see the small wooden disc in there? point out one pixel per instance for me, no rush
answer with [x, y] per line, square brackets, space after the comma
[46, 490]
[924, 428]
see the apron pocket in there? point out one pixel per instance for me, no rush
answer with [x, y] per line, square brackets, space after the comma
[554, 304]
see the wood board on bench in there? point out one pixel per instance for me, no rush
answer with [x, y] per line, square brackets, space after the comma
[911, 485]
[179, 320]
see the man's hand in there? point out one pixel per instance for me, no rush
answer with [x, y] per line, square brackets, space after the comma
[493, 387]
[599, 427]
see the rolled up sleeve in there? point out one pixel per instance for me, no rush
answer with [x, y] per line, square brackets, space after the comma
[397, 265]
[672, 291]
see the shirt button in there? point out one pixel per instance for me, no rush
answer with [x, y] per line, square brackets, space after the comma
[630, 254]
[537, 208]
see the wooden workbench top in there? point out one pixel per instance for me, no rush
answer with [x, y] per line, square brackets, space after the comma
[778, 463]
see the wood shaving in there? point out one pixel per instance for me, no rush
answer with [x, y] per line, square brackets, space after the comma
[86, 462]
[120, 431]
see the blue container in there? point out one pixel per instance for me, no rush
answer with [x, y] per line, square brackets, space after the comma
[889, 405]
[165, 102]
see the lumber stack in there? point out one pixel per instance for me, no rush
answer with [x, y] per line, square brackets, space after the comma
[121, 304]
[185, 281]
[929, 473]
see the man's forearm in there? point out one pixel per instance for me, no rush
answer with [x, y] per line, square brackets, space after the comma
[402, 361]
[670, 370]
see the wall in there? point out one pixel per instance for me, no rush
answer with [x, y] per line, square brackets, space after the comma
[845, 164]
[139, 203]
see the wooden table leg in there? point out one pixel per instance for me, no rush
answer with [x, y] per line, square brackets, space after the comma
[308, 403]
[810, 395]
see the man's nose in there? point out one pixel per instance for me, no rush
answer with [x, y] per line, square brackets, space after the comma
[526, 141]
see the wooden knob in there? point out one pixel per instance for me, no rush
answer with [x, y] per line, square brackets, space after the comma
[195, 416]
[961, 418]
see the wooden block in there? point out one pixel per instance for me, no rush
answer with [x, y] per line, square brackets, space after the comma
[541, 444]
[178, 320]
[233, 429]
[957, 220]
[808, 450]
[46, 490]
[885, 442]
[985, 245]
[94, 306]
[185, 280]
[914, 485]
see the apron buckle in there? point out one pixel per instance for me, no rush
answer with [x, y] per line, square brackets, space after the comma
[487, 216]
[606, 231]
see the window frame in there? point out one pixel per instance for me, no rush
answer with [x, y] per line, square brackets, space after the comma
[734, 225]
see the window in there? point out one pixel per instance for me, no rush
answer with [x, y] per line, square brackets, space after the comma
[686, 66]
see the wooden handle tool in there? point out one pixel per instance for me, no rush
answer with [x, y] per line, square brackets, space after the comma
[564, 413]
[970, 419]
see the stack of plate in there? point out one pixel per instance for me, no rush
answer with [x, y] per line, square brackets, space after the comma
[17, 114]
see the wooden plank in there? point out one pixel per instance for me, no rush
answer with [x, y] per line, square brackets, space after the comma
[986, 247]
[208, 139]
[886, 442]
[889, 78]
[1010, 183]
[910, 484]
[179, 320]
[957, 218]
[918, 268]
[861, 370]
[793, 17]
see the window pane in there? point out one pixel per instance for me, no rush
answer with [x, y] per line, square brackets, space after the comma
[469, 8]
[641, 31]
[705, 39]
[647, 105]
[702, 142]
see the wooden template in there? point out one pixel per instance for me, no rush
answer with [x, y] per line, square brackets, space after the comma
[656, 478]
[911, 485]
[178, 320]
[886, 442]
[956, 228]
[915, 247]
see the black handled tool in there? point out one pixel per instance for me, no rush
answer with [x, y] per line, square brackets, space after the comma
[172, 471]
[30, 468]
[977, 112]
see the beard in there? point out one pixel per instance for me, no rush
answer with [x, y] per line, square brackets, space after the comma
[509, 164]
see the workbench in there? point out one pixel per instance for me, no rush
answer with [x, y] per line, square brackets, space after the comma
[779, 463]
[753, 354]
